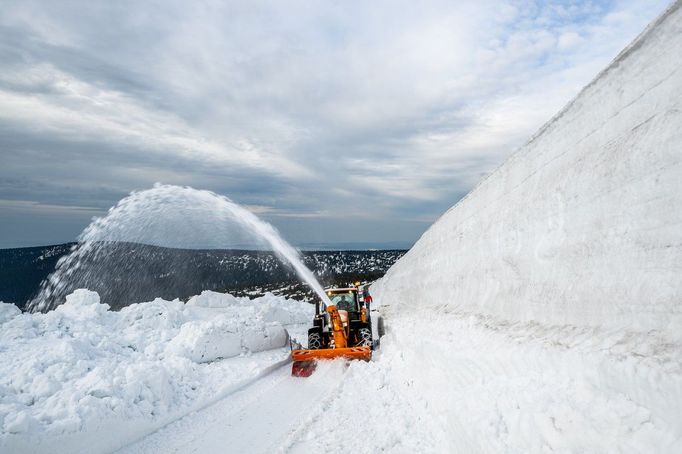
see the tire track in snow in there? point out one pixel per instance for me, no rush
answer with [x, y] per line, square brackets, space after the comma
[260, 418]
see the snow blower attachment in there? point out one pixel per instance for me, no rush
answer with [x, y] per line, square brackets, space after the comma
[342, 330]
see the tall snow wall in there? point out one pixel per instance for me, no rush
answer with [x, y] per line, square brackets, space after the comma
[583, 224]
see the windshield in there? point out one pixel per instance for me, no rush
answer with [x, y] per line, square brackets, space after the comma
[343, 301]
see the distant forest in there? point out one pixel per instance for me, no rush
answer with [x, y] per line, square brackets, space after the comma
[135, 273]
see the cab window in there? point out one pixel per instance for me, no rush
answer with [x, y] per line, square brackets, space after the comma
[343, 301]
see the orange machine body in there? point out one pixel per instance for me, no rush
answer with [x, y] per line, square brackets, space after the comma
[304, 359]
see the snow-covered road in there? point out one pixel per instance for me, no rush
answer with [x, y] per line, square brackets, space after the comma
[265, 417]
[448, 381]
[444, 380]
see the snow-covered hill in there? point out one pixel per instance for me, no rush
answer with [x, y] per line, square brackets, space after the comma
[137, 272]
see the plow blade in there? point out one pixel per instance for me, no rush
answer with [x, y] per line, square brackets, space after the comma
[305, 360]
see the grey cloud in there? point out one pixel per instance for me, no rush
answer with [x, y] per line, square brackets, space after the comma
[392, 110]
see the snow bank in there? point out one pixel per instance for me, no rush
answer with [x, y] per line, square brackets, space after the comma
[91, 380]
[543, 312]
[583, 225]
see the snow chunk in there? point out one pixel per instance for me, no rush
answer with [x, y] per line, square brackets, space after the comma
[82, 304]
[212, 299]
[8, 311]
[203, 342]
[17, 422]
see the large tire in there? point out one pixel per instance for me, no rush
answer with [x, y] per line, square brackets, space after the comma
[364, 337]
[314, 340]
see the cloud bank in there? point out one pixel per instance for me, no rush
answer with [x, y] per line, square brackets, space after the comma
[336, 121]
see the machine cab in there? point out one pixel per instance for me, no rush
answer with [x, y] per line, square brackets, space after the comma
[345, 299]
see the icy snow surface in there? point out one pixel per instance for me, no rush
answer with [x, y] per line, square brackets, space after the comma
[86, 379]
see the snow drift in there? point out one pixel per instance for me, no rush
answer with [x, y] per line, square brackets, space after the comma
[92, 380]
[583, 225]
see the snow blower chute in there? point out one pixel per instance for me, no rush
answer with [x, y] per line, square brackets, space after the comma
[342, 330]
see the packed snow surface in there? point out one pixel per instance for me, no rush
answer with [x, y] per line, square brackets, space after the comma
[456, 382]
[266, 417]
[92, 380]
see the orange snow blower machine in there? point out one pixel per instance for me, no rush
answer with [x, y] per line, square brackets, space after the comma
[341, 330]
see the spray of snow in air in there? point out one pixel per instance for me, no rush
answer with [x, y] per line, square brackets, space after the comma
[165, 215]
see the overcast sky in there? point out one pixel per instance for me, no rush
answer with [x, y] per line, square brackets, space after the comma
[346, 121]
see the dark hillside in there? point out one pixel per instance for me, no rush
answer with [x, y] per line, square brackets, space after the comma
[134, 272]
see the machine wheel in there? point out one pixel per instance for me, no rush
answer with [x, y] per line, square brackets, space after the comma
[314, 340]
[364, 337]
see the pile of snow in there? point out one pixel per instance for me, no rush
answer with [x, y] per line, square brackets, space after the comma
[90, 379]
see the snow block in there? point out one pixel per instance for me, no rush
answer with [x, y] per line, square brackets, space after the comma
[212, 299]
[204, 342]
[273, 336]
[82, 304]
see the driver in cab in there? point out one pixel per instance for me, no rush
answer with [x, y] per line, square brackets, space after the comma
[344, 304]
